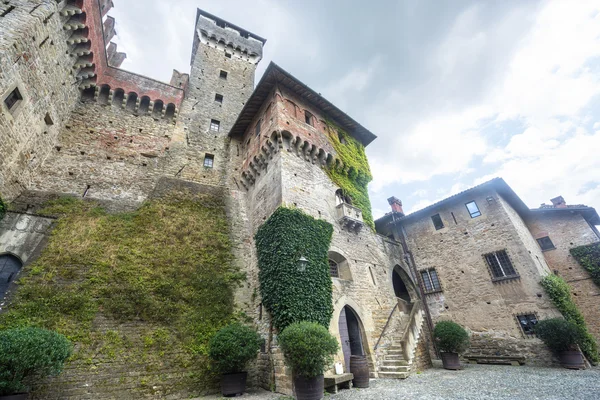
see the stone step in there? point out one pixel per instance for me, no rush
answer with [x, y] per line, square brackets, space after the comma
[394, 363]
[393, 375]
[404, 368]
[394, 352]
[393, 357]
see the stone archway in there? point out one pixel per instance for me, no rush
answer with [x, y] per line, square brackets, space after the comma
[403, 286]
[351, 334]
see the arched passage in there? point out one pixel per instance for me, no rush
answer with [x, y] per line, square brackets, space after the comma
[9, 268]
[403, 285]
[351, 334]
[400, 288]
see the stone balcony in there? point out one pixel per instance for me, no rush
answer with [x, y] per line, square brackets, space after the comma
[349, 217]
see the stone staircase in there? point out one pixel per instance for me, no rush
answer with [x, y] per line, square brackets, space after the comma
[393, 364]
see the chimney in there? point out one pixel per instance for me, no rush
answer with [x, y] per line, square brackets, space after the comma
[396, 205]
[559, 202]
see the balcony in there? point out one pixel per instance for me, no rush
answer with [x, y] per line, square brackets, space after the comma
[349, 217]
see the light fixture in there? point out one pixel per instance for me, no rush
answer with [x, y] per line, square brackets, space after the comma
[302, 263]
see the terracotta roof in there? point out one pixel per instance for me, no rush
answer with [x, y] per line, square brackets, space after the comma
[274, 74]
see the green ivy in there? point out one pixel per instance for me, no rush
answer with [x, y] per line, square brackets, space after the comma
[560, 294]
[288, 294]
[589, 258]
[354, 176]
[167, 267]
[2, 208]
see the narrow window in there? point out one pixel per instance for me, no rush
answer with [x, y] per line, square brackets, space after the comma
[263, 346]
[48, 119]
[260, 312]
[431, 283]
[372, 277]
[223, 74]
[334, 271]
[437, 222]
[454, 218]
[219, 98]
[257, 128]
[527, 323]
[12, 99]
[209, 160]
[500, 265]
[308, 118]
[545, 243]
[228, 55]
[473, 209]
[214, 125]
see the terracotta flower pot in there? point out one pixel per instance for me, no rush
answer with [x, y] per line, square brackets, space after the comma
[233, 384]
[309, 388]
[572, 359]
[450, 361]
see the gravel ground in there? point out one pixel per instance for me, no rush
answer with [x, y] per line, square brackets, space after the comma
[474, 382]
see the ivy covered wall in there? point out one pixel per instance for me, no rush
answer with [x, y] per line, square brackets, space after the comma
[140, 294]
[288, 294]
[2, 208]
[589, 258]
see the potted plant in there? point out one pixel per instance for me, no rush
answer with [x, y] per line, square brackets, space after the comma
[562, 337]
[27, 354]
[451, 339]
[230, 350]
[308, 349]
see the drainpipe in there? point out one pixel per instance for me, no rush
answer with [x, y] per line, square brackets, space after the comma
[413, 267]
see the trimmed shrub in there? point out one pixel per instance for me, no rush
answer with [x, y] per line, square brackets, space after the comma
[560, 292]
[233, 347]
[558, 334]
[26, 352]
[450, 337]
[308, 348]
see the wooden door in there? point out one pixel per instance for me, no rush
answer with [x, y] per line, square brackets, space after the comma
[9, 266]
[345, 338]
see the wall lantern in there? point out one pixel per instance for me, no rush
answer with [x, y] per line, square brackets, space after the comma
[302, 263]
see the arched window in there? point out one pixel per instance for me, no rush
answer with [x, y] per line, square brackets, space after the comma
[131, 101]
[104, 94]
[290, 107]
[158, 108]
[333, 269]
[338, 266]
[118, 96]
[144, 105]
[170, 112]
[9, 268]
[341, 197]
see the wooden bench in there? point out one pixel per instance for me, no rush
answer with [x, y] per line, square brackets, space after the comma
[335, 382]
[503, 360]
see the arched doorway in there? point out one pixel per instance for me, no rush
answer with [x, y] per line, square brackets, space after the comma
[350, 329]
[9, 267]
[400, 288]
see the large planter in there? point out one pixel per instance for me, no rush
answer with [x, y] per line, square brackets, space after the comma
[359, 367]
[450, 360]
[18, 396]
[309, 388]
[571, 359]
[233, 384]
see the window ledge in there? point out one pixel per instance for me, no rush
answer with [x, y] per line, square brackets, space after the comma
[548, 249]
[433, 291]
[506, 278]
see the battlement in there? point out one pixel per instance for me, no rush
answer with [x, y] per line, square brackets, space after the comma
[233, 40]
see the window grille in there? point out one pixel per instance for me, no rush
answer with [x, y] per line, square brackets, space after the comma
[333, 269]
[214, 125]
[431, 283]
[219, 98]
[527, 323]
[473, 209]
[209, 160]
[13, 98]
[500, 265]
[545, 243]
[437, 222]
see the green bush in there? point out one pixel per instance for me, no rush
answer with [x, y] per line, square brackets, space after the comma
[559, 292]
[558, 334]
[288, 294]
[589, 258]
[2, 208]
[26, 352]
[232, 347]
[450, 337]
[308, 348]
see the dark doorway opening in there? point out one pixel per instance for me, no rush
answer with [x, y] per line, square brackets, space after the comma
[400, 287]
[9, 267]
[350, 335]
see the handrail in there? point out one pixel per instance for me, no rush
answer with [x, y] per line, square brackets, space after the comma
[411, 321]
[416, 305]
[397, 305]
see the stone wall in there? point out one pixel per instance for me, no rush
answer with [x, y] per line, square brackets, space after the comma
[35, 60]
[566, 231]
[469, 296]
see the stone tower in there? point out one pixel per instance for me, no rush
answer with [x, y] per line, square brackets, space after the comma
[223, 63]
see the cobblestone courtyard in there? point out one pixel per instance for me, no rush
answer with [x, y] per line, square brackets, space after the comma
[476, 382]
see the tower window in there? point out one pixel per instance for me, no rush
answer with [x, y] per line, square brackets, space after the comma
[333, 269]
[308, 118]
[257, 128]
[219, 98]
[437, 221]
[223, 74]
[12, 99]
[214, 125]
[473, 209]
[48, 119]
[209, 160]
[431, 283]
[545, 243]
[527, 323]
[228, 55]
[500, 265]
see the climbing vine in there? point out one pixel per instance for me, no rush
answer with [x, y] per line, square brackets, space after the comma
[589, 258]
[167, 268]
[291, 295]
[354, 175]
[560, 294]
[2, 208]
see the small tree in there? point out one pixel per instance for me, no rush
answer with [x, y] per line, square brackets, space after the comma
[26, 352]
[308, 348]
[233, 347]
[559, 334]
[450, 337]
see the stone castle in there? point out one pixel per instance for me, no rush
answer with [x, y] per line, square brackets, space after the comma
[73, 123]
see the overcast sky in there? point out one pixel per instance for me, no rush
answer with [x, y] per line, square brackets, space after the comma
[458, 92]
